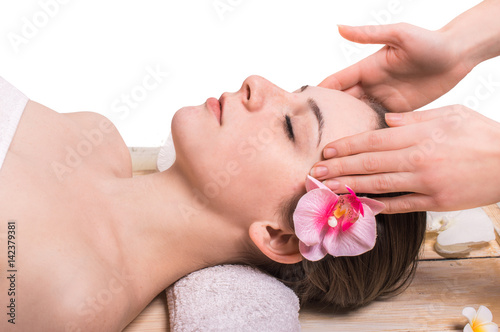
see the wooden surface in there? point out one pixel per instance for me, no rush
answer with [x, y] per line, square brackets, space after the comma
[493, 211]
[433, 302]
[442, 287]
[153, 318]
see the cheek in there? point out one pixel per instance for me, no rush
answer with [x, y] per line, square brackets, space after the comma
[265, 182]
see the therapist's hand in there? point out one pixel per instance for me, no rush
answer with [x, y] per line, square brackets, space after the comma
[414, 68]
[448, 158]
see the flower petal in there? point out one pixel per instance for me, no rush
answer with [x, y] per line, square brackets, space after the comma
[312, 183]
[355, 201]
[358, 239]
[470, 313]
[483, 315]
[332, 239]
[439, 221]
[350, 190]
[468, 328]
[467, 228]
[312, 253]
[311, 215]
[486, 327]
[374, 205]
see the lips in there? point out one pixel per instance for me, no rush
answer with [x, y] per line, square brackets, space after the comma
[214, 105]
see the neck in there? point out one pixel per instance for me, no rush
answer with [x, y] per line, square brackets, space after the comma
[166, 232]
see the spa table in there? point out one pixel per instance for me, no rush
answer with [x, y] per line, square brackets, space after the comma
[442, 287]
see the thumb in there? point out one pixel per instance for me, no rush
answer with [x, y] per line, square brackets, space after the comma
[374, 34]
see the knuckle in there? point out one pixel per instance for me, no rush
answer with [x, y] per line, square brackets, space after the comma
[353, 183]
[417, 157]
[382, 184]
[346, 148]
[374, 139]
[457, 108]
[449, 120]
[457, 116]
[405, 204]
[338, 168]
[417, 116]
[446, 111]
[390, 206]
[371, 163]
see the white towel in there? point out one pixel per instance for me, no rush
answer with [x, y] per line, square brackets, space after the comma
[166, 157]
[232, 298]
[12, 104]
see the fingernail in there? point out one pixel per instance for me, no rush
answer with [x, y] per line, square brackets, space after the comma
[319, 171]
[394, 118]
[332, 184]
[329, 153]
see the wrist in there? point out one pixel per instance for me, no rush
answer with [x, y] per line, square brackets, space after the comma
[463, 46]
[474, 35]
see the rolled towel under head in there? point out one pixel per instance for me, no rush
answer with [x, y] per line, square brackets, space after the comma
[232, 298]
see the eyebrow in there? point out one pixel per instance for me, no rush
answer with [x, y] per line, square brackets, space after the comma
[313, 106]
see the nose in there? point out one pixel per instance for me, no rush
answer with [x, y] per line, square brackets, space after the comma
[255, 91]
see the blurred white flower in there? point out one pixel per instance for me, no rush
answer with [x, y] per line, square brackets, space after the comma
[459, 230]
[480, 321]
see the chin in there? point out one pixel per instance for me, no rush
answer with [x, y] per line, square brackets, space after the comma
[193, 139]
[184, 127]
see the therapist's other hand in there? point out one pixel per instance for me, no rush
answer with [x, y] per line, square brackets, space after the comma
[447, 158]
[415, 67]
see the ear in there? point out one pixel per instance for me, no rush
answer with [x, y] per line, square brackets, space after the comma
[280, 245]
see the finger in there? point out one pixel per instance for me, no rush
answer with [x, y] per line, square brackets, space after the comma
[343, 79]
[371, 141]
[356, 91]
[389, 34]
[376, 183]
[406, 118]
[360, 164]
[407, 203]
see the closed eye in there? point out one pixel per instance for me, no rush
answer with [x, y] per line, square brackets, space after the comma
[288, 128]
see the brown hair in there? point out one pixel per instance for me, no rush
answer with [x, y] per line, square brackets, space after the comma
[350, 282]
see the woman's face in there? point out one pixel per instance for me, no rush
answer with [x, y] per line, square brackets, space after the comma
[252, 153]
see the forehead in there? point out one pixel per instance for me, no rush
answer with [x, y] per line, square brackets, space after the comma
[343, 114]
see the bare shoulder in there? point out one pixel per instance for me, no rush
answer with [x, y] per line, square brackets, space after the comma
[98, 134]
[91, 120]
[94, 126]
[81, 137]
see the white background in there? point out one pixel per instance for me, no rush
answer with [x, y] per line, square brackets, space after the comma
[85, 55]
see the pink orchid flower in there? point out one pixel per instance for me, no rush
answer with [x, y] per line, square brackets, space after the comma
[338, 225]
